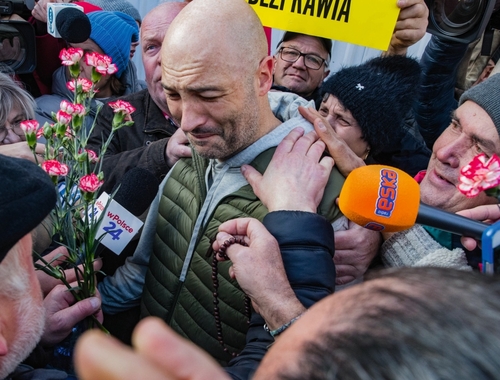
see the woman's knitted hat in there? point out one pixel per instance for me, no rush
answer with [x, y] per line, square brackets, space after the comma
[379, 93]
[114, 32]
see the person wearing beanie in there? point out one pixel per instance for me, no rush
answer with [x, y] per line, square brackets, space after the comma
[367, 104]
[29, 322]
[112, 34]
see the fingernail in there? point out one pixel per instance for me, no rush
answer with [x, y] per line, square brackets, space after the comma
[321, 126]
[95, 302]
[243, 168]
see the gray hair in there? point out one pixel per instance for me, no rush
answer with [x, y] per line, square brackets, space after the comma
[430, 323]
[13, 95]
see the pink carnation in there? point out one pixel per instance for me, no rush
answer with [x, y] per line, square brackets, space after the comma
[122, 106]
[55, 168]
[63, 117]
[70, 56]
[101, 63]
[29, 126]
[84, 83]
[479, 175]
[90, 183]
[67, 107]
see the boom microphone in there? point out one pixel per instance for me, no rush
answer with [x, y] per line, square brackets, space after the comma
[73, 25]
[383, 198]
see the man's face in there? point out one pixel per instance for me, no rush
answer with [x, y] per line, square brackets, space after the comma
[470, 133]
[153, 31]
[296, 76]
[22, 319]
[213, 100]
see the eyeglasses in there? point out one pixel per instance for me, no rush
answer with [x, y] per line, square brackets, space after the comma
[312, 61]
[16, 128]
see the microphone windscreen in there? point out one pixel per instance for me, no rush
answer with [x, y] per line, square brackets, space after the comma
[73, 25]
[136, 190]
[381, 198]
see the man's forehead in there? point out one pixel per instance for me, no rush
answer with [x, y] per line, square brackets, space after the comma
[313, 44]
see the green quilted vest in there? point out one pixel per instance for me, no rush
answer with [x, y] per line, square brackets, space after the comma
[188, 306]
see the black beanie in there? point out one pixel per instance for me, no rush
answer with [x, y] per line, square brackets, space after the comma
[379, 93]
[27, 195]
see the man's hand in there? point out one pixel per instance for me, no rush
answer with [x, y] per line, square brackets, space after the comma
[57, 257]
[62, 313]
[410, 27]
[177, 147]
[345, 159]
[158, 354]
[259, 270]
[22, 150]
[355, 249]
[485, 213]
[296, 177]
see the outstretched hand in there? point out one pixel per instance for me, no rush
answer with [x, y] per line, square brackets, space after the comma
[158, 353]
[410, 27]
[484, 213]
[296, 177]
[345, 159]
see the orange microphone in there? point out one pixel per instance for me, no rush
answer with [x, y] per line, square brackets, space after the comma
[384, 198]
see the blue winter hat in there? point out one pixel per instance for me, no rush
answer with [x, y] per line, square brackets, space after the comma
[113, 32]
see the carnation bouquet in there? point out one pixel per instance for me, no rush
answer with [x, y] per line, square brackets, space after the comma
[75, 170]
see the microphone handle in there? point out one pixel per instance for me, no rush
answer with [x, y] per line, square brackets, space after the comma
[447, 221]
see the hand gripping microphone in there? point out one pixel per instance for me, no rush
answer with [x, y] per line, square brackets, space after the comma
[386, 199]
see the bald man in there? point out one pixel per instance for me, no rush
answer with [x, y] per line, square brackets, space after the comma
[216, 75]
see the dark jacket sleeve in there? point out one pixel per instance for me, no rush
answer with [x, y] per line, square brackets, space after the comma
[307, 247]
[436, 98]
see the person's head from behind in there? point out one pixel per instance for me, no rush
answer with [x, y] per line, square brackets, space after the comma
[153, 29]
[366, 104]
[216, 83]
[16, 105]
[410, 323]
[474, 129]
[27, 195]
[112, 34]
[301, 62]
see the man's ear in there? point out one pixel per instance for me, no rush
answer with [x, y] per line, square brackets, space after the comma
[3, 344]
[325, 74]
[265, 74]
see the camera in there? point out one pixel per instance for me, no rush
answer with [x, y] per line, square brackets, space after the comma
[460, 20]
[17, 38]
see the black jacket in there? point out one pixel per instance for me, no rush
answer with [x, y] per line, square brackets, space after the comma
[436, 97]
[307, 248]
[141, 145]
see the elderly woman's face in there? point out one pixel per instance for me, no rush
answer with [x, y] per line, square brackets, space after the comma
[10, 130]
[344, 124]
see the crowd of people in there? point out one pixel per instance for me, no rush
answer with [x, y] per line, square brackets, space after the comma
[246, 267]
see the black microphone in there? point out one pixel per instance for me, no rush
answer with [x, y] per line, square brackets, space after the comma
[386, 199]
[136, 190]
[447, 221]
[73, 25]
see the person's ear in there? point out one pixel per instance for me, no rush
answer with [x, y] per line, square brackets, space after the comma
[265, 74]
[4, 349]
[325, 74]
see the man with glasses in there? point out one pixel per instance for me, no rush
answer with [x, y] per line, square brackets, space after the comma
[301, 62]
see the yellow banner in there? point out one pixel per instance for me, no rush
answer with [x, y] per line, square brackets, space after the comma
[363, 22]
